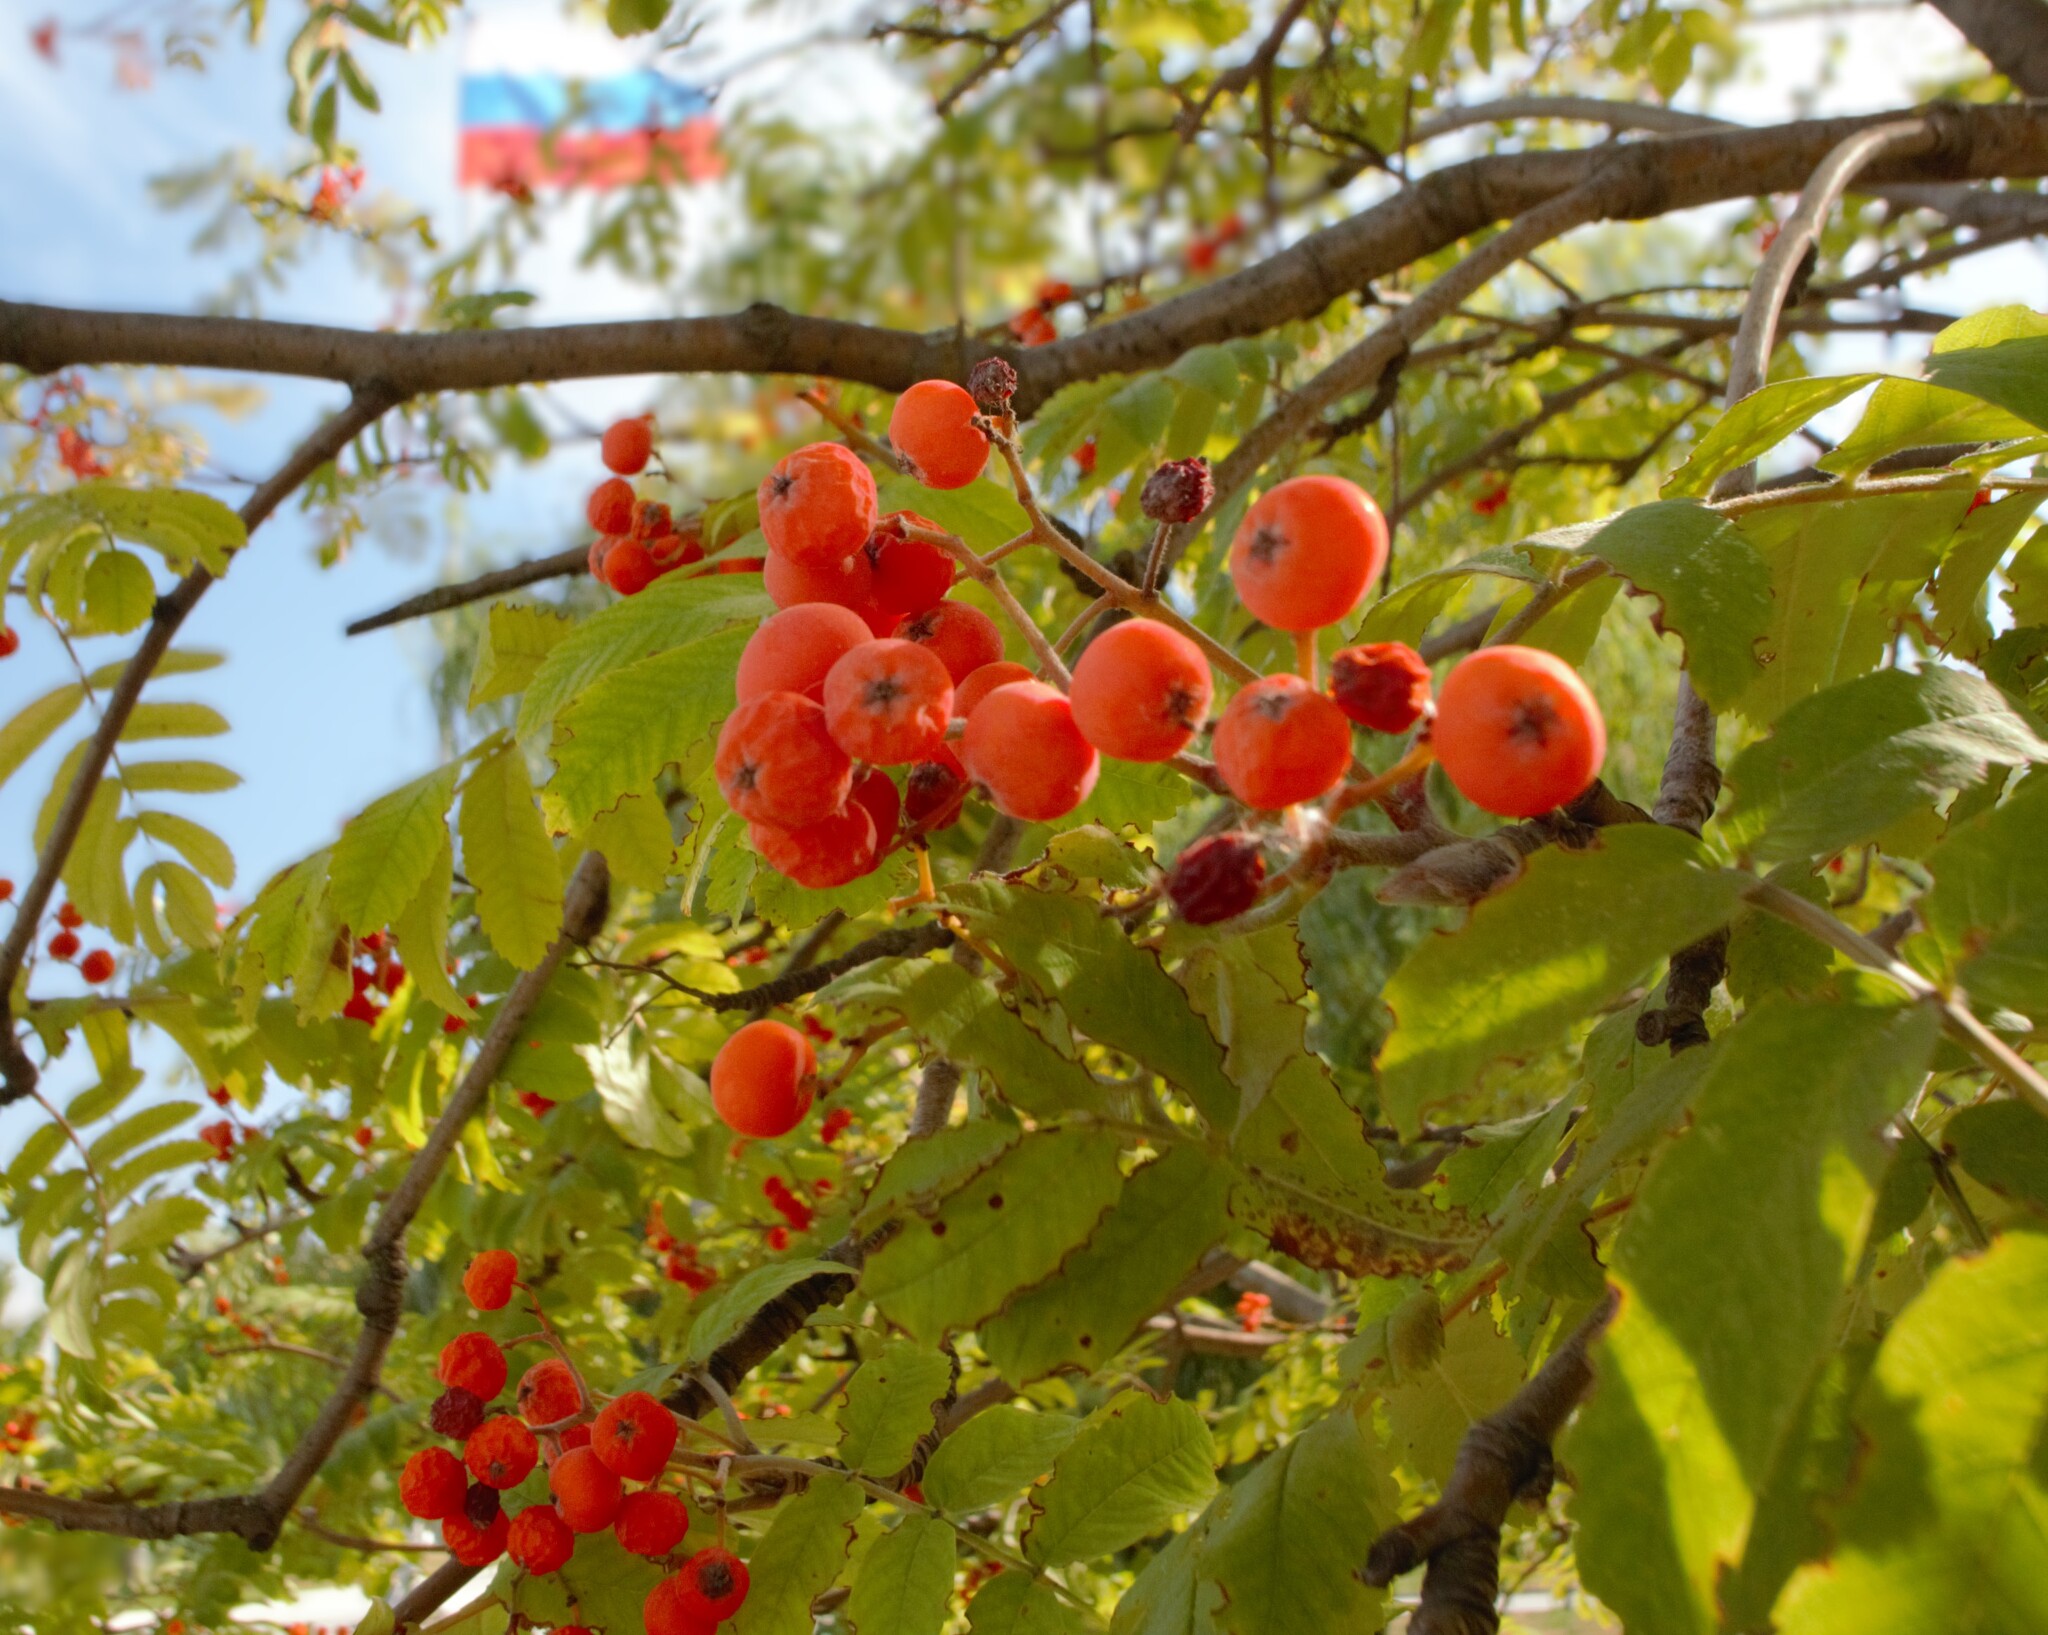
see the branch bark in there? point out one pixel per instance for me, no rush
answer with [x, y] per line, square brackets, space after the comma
[2013, 34]
[365, 406]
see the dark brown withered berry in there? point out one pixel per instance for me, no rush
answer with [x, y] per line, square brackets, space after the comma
[1217, 878]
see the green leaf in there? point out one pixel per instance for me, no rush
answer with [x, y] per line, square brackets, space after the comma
[1010, 1225]
[199, 845]
[1841, 766]
[2009, 374]
[517, 637]
[151, 720]
[626, 17]
[727, 1312]
[1943, 1529]
[1768, 955]
[1015, 1603]
[1405, 613]
[32, 727]
[1130, 793]
[984, 514]
[603, 1582]
[1959, 624]
[1282, 1544]
[1904, 414]
[1113, 991]
[905, 1582]
[995, 1456]
[1171, 1212]
[889, 1404]
[1713, 585]
[181, 527]
[1137, 1464]
[119, 592]
[386, 852]
[1758, 424]
[635, 840]
[422, 931]
[1431, 1408]
[803, 1553]
[1729, 1315]
[177, 777]
[1988, 911]
[507, 856]
[2004, 1146]
[1576, 930]
[155, 1224]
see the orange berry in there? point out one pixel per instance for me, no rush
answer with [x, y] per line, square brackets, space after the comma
[490, 1277]
[586, 1490]
[1517, 731]
[887, 702]
[984, 681]
[1280, 741]
[716, 1581]
[1307, 551]
[69, 918]
[432, 1484]
[1141, 691]
[910, 575]
[874, 790]
[793, 650]
[839, 847]
[933, 427]
[762, 1078]
[629, 567]
[634, 1436]
[64, 945]
[964, 637]
[818, 504]
[1382, 685]
[473, 1363]
[472, 1545]
[97, 966]
[849, 584]
[1023, 747]
[539, 1540]
[627, 445]
[652, 1524]
[501, 1452]
[778, 764]
[547, 1393]
[610, 510]
[671, 1609]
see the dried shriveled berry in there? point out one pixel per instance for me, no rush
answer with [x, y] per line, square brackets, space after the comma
[934, 791]
[1217, 878]
[474, 1362]
[634, 1436]
[992, 383]
[1381, 685]
[456, 1413]
[1179, 491]
[489, 1280]
[501, 1453]
[481, 1504]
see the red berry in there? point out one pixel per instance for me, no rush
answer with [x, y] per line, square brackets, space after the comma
[501, 1452]
[839, 847]
[833, 1125]
[672, 1609]
[1217, 878]
[716, 1580]
[762, 1079]
[874, 791]
[1517, 731]
[627, 445]
[1084, 457]
[63, 945]
[10, 641]
[634, 1436]
[887, 702]
[472, 1545]
[433, 1484]
[650, 520]
[652, 1524]
[964, 637]
[778, 1239]
[849, 584]
[586, 1490]
[475, 1363]
[1280, 741]
[610, 510]
[547, 1393]
[97, 966]
[219, 1095]
[933, 792]
[629, 567]
[456, 1414]
[818, 505]
[1307, 551]
[933, 427]
[490, 1277]
[1023, 747]
[778, 764]
[365, 1137]
[1382, 685]
[535, 1103]
[985, 681]
[539, 1540]
[69, 917]
[910, 575]
[793, 651]
[576, 1436]
[1141, 691]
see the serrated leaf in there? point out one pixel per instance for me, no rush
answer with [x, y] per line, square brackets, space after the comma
[1714, 587]
[2009, 374]
[422, 931]
[2002, 1145]
[1170, 1213]
[1407, 611]
[905, 1581]
[727, 1312]
[199, 845]
[119, 592]
[1572, 933]
[1137, 1464]
[797, 1562]
[889, 1404]
[154, 1224]
[1983, 538]
[984, 514]
[386, 851]
[181, 527]
[152, 720]
[1904, 414]
[1841, 766]
[1758, 424]
[1015, 1603]
[1988, 910]
[955, 1263]
[1430, 1410]
[995, 1456]
[507, 856]
[30, 729]
[517, 637]
[635, 840]
[961, 1018]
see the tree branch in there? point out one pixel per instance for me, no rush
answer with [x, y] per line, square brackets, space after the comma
[898, 942]
[2013, 34]
[365, 406]
[443, 597]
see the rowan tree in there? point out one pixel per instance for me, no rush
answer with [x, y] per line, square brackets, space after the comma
[1512, 1076]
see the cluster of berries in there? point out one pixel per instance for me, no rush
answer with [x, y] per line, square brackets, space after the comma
[790, 1207]
[833, 1125]
[590, 1458]
[374, 976]
[96, 966]
[1203, 248]
[679, 1263]
[637, 540]
[18, 1431]
[220, 1136]
[1253, 1310]
[254, 1333]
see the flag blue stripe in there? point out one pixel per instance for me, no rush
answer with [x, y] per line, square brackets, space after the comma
[626, 102]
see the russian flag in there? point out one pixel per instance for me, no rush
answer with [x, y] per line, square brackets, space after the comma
[539, 110]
